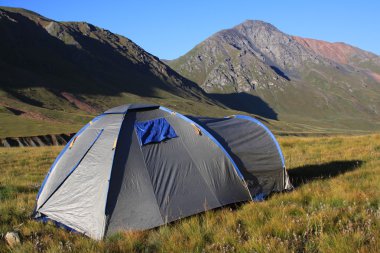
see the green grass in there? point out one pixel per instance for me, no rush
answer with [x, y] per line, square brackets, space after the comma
[14, 126]
[65, 118]
[71, 120]
[334, 208]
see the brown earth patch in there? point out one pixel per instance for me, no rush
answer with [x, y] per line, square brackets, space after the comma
[337, 52]
[36, 115]
[79, 103]
[375, 76]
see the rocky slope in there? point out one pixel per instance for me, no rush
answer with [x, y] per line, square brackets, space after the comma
[344, 54]
[36, 141]
[254, 66]
[339, 52]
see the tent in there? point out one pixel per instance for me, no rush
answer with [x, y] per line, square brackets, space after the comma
[137, 166]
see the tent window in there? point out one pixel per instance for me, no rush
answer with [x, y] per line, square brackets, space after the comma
[154, 131]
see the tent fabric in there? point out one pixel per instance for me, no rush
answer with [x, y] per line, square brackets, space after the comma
[267, 131]
[184, 169]
[253, 149]
[69, 159]
[160, 170]
[82, 207]
[131, 203]
[155, 130]
[200, 130]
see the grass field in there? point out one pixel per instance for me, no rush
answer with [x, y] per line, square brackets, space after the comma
[61, 117]
[334, 208]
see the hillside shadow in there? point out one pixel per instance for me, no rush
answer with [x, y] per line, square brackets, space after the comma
[23, 98]
[305, 174]
[14, 111]
[280, 72]
[31, 57]
[246, 102]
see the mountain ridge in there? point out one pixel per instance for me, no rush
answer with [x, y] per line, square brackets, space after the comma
[66, 72]
[67, 32]
[298, 81]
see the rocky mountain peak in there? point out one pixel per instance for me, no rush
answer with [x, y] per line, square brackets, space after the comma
[292, 74]
[255, 24]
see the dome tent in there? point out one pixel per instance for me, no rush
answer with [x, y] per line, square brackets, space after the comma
[139, 166]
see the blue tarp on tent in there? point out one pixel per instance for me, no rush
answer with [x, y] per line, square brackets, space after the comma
[154, 131]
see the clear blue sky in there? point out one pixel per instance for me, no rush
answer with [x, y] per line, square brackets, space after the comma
[169, 29]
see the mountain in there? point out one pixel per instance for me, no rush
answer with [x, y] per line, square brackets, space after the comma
[254, 67]
[55, 76]
[63, 73]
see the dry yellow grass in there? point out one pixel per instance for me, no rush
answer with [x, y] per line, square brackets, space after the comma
[334, 208]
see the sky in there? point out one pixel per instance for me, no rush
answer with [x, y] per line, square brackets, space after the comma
[170, 28]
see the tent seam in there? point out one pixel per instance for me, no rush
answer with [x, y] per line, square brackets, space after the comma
[150, 180]
[109, 177]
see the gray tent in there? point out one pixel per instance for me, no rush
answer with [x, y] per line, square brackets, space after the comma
[137, 167]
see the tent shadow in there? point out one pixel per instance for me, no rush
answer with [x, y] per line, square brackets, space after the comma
[305, 174]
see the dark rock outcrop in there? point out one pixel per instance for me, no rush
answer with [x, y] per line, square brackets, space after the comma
[36, 141]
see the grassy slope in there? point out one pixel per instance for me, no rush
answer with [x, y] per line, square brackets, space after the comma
[13, 126]
[337, 214]
[68, 119]
[58, 75]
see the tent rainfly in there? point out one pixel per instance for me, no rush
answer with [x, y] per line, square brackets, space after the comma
[137, 166]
